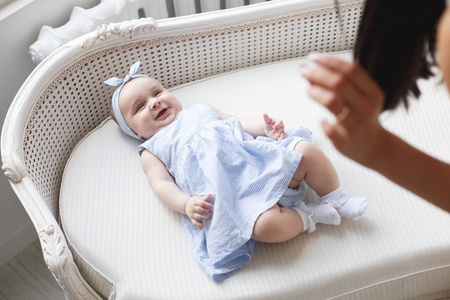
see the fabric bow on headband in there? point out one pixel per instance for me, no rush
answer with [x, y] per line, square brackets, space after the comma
[119, 83]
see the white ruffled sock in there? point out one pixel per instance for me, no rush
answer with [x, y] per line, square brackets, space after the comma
[312, 214]
[346, 206]
[325, 213]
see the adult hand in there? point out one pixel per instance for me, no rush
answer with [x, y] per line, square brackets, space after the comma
[348, 92]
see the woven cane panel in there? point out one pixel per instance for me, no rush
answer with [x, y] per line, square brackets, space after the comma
[78, 100]
[67, 110]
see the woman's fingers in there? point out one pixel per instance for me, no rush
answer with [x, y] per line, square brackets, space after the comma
[327, 98]
[348, 91]
[333, 90]
[349, 70]
[336, 133]
[337, 84]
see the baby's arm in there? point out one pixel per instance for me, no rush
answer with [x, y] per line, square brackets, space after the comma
[269, 127]
[170, 194]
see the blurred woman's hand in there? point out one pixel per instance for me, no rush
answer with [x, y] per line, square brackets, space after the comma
[356, 100]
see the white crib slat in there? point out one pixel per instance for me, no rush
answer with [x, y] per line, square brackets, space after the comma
[184, 7]
[210, 5]
[234, 3]
[156, 8]
[257, 1]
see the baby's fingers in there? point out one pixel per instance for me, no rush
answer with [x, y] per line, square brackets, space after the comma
[202, 210]
[204, 204]
[197, 217]
[278, 124]
[197, 223]
[200, 217]
[267, 119]
[206, 198]
[281, 136]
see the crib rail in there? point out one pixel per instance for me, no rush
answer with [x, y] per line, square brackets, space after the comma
[84, 20]
[160, 9]
[182, 8]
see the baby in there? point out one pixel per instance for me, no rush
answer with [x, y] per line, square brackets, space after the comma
[234, 180]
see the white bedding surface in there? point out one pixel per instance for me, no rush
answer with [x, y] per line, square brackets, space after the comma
[129, 245]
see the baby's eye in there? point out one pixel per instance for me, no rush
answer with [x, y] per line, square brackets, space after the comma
[157, 93]
[139, 107]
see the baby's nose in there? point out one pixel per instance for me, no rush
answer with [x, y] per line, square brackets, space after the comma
[156, 104]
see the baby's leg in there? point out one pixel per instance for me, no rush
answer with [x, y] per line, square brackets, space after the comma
[316, 169]
[318, 172]
[278, 224]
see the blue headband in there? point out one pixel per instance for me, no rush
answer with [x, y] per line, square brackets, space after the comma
[119, 83]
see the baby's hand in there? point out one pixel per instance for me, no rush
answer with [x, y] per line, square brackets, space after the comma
[196, 209]
[274, 128]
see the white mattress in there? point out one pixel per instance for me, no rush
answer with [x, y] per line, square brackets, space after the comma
[128, 245]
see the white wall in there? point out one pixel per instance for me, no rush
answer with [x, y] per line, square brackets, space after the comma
[17, 32]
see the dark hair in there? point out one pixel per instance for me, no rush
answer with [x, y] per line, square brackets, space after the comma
[396, 44]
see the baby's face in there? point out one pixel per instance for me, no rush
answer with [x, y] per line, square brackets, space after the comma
[147, 107]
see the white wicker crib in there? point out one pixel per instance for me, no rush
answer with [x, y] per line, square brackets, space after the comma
[64, 99]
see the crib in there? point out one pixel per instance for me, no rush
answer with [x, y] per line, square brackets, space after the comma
[103, 233]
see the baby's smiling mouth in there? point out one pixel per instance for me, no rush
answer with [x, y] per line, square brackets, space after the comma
[161, 113]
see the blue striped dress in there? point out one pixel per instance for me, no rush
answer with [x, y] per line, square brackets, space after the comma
[245, 176]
